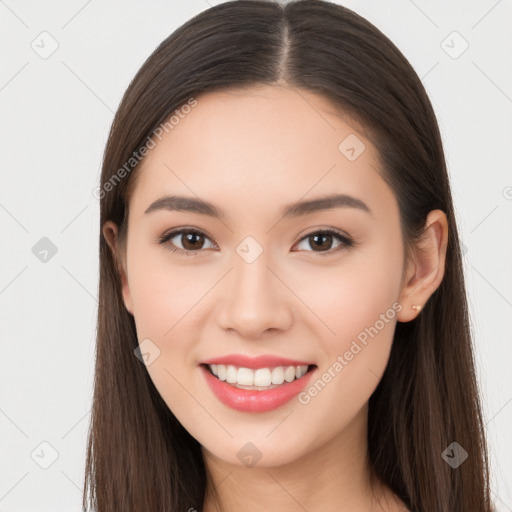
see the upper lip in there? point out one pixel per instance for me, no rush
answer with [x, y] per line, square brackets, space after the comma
[263, 361]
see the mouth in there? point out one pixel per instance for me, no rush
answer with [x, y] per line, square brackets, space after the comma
[257, 389]
[258, 379]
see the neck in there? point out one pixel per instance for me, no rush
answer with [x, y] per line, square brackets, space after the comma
[334, 477]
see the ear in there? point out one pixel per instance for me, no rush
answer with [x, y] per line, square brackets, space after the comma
[110, 232]
[426, 269]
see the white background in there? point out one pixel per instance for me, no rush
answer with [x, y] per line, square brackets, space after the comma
[55, 114]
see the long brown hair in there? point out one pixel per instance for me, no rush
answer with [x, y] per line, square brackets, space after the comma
[140, 457]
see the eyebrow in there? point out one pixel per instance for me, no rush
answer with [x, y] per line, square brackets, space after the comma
[201, 207]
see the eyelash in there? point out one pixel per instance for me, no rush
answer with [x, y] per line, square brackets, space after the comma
[346, 242]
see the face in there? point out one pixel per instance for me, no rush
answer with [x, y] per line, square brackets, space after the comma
[314, 287]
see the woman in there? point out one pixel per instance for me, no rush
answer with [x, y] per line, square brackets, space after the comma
[283, 321]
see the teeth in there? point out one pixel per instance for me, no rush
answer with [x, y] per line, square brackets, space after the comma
[231, 374]
[262, 377]
[278, 375]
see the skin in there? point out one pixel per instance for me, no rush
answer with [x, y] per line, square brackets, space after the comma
[250, 153]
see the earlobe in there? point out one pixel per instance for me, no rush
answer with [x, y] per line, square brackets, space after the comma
[110, 233]
[426, 272]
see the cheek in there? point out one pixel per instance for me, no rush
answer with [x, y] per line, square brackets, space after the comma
[166, 302]
[356, 352]
[350, 298]
[357, 305]
[163, 293]
[170, 301]
[353, 359]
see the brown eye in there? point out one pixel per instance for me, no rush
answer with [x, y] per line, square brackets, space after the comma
[323, 241]
[191, 240]
[185, 241]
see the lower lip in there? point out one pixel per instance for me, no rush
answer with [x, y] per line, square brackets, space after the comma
[247, 400]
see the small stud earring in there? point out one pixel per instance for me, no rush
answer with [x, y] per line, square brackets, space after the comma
[417, 308]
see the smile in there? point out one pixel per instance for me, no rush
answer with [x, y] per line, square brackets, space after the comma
[257, 389]
[259, 379]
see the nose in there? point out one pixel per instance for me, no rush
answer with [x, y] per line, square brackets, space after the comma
[254, 300]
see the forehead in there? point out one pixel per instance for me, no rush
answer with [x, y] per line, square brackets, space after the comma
[261, 145]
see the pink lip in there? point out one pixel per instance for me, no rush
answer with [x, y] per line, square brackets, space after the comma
[265, 361]
[246, 400]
